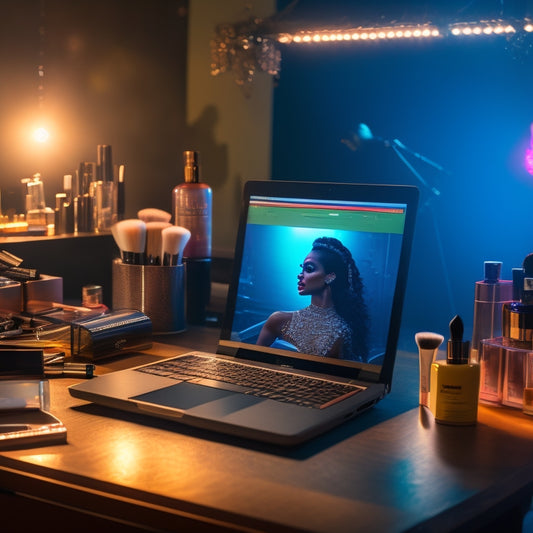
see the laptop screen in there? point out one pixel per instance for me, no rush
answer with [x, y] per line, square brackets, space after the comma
[321, 275]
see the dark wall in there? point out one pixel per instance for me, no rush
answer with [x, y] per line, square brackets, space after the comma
[114, 73]
[465, 104]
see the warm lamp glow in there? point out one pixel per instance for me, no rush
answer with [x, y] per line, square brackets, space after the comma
[41, 135]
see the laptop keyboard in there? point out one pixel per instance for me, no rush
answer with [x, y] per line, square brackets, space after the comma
[262, 382]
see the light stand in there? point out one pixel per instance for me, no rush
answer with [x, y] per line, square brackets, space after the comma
[400, 150]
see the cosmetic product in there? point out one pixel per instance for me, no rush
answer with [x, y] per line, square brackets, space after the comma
[504, 371]
[34, 193]
[490, 295]
[67, 187]
[492, 357]
[68, 205]
[8, 259]
[428, 343]
[104, 163]
[103, 190]
[83, 202]
[518, 282]
[151, 214]
[41, 220]
[21, 274]
[121, 192]
[117, 236]
[60, 214]
[192, 209]
[81, 370]
[505, 359]
[130, 237]
[92, 296]
[455, 382]
[517, 316]
[192, 204]
[154, 241]
[527, 397]
[103, 196]
[174, 240]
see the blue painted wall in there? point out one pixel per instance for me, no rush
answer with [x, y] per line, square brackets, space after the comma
[463, 103]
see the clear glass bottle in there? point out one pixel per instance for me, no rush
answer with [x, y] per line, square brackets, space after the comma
[490, 295]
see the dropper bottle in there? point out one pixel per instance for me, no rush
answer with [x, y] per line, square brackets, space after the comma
[454, 383]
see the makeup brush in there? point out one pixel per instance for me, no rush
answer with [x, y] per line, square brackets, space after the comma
[131, 239]
[174, 240]
[428, 343]
[154, 241]
[117, 236]
[150, 214]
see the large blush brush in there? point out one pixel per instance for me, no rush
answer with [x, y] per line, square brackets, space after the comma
[174, 240]
[428, 343]
[154, 241]
[151, 214]
[131, 239]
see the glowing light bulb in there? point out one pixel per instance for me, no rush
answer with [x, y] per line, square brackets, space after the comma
[41, 135]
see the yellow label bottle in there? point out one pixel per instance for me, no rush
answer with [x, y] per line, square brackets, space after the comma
[454, 392]
[454, 383]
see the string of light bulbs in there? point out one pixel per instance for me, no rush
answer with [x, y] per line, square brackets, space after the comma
[253, 46]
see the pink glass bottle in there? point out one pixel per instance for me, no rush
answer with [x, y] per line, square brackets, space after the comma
[192, 209]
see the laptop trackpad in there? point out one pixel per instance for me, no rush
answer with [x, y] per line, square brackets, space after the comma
[186, 396]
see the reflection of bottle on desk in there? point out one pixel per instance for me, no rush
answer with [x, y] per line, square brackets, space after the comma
[490, 295]
[192, 209]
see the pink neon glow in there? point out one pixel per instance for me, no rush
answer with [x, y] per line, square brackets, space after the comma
[528, 161]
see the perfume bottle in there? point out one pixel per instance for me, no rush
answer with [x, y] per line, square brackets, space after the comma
[192, 209]
[505, 359]
[454, 383]
[490, 295]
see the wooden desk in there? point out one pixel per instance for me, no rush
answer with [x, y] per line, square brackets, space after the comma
[392, 469]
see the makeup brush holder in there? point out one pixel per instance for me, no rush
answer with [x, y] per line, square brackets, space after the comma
[156, 291]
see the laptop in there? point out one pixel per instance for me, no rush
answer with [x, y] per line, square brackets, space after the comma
[290, 365]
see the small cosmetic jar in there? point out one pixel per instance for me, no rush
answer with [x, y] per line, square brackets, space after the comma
[92, 296]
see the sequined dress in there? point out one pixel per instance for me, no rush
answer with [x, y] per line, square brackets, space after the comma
[316, 330]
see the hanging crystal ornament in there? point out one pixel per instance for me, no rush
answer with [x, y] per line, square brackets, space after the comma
[244, 49]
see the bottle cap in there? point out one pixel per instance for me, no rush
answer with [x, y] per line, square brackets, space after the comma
[104, 163]
[458, 350]
[518, 283]
[192, 168]
[528, 266]
[492, 271]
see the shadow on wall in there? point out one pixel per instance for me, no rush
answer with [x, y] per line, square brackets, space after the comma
[214, 170]
[200, 136]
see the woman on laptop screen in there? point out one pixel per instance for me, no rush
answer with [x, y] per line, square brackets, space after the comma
[335, 324]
